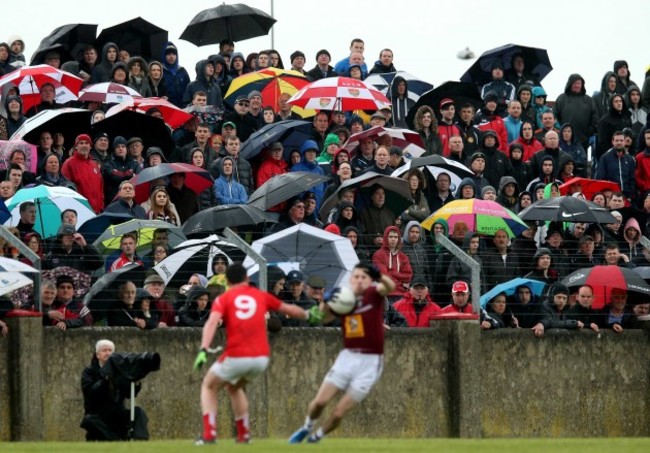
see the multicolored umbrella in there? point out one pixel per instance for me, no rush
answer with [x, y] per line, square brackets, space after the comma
[339, 93]
[481, 216]
[197, 179]
[603, 279]
[588, 187]
[271, 83]
[108, 92]
[400, 137]
[172, 115]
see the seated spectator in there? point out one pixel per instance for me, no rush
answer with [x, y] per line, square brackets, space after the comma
[616, 314]
[375, 218]
[391, 261]
[51, 173]
[543, 272]
[295, 295]
[459, 299]
[196, 311]
[497, 314]
[553, 312]
[582, 311]
[353, 234]
[161, 207]
[161, 302]
[48, 295]
[125, 203]
[70, 249]
[128, 255]
[459, 271]
[417, 307]
[35, 244]
[67, 312]
[123, 312]
[226, 188]
[143, 301]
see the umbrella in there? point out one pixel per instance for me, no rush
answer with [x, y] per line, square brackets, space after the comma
[81, 279]
[93, 228]
[282, 187]
[461, 93]
[137, 36]
[234, 22]
[11, 265]
[536, 63]
[173, 116]
[103, 294]
[481, 216]
[317, 252]
[197, 179]
[398, 192]
[509, 288]
[436, 164]
[110, 239]
[9, 146]
[153, 131]
[231, 215]
[588, 187]
[11, 281]
[30, 80]
[195, 256]
[68, 39]
[567, 209]
[383, 82]
[400, 137]
[271, 83]
[108, 92]
[339, 93]
[4, 213]
[291, 133]
[68, 121]
[50, 203]
[605, 278]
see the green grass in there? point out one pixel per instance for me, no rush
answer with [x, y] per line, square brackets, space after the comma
[592, 445]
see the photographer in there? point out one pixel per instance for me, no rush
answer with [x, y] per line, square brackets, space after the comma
[105, 416]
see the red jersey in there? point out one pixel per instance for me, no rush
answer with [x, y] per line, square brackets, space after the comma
[451, 308]
[363, 329]
[243, 309]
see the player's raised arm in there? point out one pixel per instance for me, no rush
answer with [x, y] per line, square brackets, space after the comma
[386, 284]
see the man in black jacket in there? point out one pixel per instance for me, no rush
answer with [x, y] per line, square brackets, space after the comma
[323, 69]
[71, 250]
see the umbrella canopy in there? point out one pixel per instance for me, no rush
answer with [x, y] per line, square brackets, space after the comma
[30, 79]
[317, 252]
[291, 133]
[603, 279]
[81, 279]
[195, 256]
[567, 209]
[137, 36]
[460, 92]
[126, 123]
[11, 265]
[173, 116]
[435, 165]
[108, 92]
[481, 216]
[110, 239]
[339, 93]
[4, 213]
[68, 39]
[234, 22]
[231, 215]
[196, 178]
[509, 288]
[536, 63]
[398, 193]
[92, 228]
[103, 294]
[50, 203]
[400, 137]
[383, 82]
[7, 147]
[588, 187]
[282, 187]
[68, 121]
[271, 83]
[11, 281]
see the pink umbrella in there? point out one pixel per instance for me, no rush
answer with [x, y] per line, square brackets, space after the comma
[9, 146]
[401, 137]
[172, 115]
[339, 93]
[108, 92]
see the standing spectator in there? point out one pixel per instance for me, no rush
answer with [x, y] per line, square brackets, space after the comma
[138, 77]
[623, 81]
[323, 69]
[489, 119]
[582, 310]
[543, 272]
[51, 173]
[68, 312]
[125, 203]
[391, 261]
[226, 189]
[616, 119]
[184, 198]
[496, 162]
[99, 152]
[385, 63]
[242, 171]
[459, 271]
[513, 121]
[638, 113]
[295, 215]
[526, 307]
[162, 303]
[607, 90]
[272, 165]
[357, 46]
[441, 195]
[15, 118]
[417, 307]
[243, 122]
[569, 144]
[551, 149]
[446, 127]
[530, 145]
[376, 218]
[195, 312]
[469, 132]
[175, 76]
[399, 96]
[298, 62]
[103, 69]
[525, 98]
[618, 166]
[576, 107]
[500, 264]
[120, 167]
[504, 92]
[206, 83]
[517, 74]
[413, 246]
[419, 210]
[123, 312]
[554, 312]
[128, 254]
[70, 249]
[85, 173]
[642, 171]
[427, 126]
[308, 151]
[47, 93]
[161, 208]
[156, 80]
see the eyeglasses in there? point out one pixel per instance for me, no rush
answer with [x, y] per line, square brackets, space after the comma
[244, 104]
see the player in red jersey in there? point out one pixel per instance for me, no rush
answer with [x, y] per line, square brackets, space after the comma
[243, 309]
[359, 365]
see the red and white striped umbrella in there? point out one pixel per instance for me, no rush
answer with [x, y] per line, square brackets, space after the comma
[30, 79]
[339, 93]
[400, 137]
[172, 115]
[108, 92]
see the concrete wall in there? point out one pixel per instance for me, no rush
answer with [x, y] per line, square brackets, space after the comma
[448, 381]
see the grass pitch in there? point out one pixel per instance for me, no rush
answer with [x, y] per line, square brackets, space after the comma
[592, 445]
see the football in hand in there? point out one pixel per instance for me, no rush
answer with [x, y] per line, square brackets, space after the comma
[342, 301]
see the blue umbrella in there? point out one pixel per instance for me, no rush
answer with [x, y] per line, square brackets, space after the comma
[509, 289]
[4, 213]
[291, 133]
[93, 228]
[383, 82]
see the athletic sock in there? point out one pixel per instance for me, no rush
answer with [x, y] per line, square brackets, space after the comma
[319, 434]
[309, 423]
[243, 435]
[209, 426]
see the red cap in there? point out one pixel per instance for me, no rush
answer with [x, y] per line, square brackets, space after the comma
[446, 101]
[82, 137]
[460, 287]
[333, 228]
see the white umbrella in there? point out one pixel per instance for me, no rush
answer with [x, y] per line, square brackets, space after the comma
[108, 92]
[10, 265]
[11, 281]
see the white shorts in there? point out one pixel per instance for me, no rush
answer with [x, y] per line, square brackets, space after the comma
[355, 373]
[234, 369]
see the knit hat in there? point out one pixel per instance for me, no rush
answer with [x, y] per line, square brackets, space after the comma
[253, 94]
[497, 64]
[331, 139]
[297, 54]
[487, 189]
[61, 279]
[81, 137]
[356, 119]
[333, 228]
[99, 135]
[119, 140]
[541, 252]
[133, 140]
[171, 48]
[491, 96]
[321, 52]
[395, 151]
[477, 155]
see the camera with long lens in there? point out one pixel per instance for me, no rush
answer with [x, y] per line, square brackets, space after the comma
[131, 367]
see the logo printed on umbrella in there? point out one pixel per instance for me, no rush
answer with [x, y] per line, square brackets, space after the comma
[576, 277]
[324, 102]
[567, 215]
[354, 92]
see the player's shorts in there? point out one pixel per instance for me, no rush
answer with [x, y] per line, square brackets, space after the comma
[234, 369]
[355, 373]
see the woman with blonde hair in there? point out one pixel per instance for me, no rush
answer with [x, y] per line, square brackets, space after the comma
[161, 208]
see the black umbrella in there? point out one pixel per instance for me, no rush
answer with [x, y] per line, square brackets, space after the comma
[291, 133]
[567, 209]
[282, 187]
[103, 293]
[536, 63]
[68, 121]
[93, 228]
[235, 22]
[210, 220]
[137, 36]
[461, 93]
[68, 39]
[153, 131]
[197, 179]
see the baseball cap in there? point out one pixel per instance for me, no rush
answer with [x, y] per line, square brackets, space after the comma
[418, 280]
[229, 123]
[294, 276]
[276, 145]
[378, 115]
[395, 151]
[65, 229]
[446, 101]
[316, 282]
[153, 278]
[460, 287]
[242, 98]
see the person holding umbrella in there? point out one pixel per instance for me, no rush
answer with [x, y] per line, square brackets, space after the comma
[175, 76]
[503, 90]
